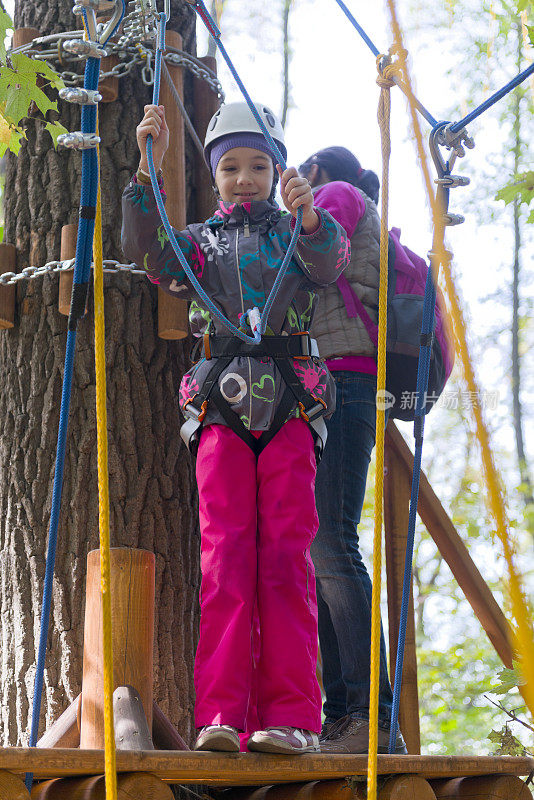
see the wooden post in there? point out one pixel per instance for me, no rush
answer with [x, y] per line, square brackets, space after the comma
[69, 235]
[109, 87]
[396, 507]
[206, 104]
[406, 787]
[130, 786]
[8, 260]
[65, 731]
[12, 788]
[488, 787]
[172, 312]
[132, 601]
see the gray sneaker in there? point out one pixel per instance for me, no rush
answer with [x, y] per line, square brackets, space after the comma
[218, 738]
[349, 735]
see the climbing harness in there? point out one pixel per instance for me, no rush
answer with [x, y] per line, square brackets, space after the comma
[281, 349]
[257, 321]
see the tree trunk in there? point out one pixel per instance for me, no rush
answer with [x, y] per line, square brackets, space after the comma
[524, 472]
[152, 487]
[287, 58]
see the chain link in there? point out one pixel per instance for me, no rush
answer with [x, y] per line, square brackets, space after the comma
[129, 49]
[110, 265]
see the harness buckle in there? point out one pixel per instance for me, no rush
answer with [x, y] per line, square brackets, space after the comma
[192, 411]
[315, 411]
[308, 346]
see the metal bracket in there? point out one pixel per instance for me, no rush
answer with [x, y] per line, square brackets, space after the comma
[455, 141]
[84, 97]
[78, 140]
[453, 219]
[453, 181]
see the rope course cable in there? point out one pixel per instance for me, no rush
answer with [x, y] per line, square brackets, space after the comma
[28, 273]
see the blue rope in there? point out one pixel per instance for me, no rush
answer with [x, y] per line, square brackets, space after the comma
[423, 369]
[82, 266]
[262, 326]
[492, 100]
[420, 107]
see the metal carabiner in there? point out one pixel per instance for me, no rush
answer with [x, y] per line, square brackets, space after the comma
[113, 22]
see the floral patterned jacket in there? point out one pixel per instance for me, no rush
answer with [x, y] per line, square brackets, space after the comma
[236, 255]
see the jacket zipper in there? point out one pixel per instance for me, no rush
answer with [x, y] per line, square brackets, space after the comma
[247, 226]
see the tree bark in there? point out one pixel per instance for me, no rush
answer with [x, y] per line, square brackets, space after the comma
[524, 472]
[152, 487]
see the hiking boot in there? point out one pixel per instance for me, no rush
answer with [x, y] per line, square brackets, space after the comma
[284, 740]
[218, 737]
[326, 727]
[349, 735]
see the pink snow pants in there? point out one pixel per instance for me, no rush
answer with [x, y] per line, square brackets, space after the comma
[257, 521]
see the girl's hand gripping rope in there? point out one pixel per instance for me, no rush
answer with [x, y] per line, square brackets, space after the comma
[296, 192]
[153, 123]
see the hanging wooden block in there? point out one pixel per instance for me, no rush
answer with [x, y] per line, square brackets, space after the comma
[8, 260]
[109, 87]
[172, 313]
[206, 104]
[69, 234]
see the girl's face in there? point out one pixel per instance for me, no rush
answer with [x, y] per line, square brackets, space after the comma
[244, 174]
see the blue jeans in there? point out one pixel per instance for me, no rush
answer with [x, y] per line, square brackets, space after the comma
[343, 583]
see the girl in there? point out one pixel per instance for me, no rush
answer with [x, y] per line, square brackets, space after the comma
[258, 409]
[350, 193]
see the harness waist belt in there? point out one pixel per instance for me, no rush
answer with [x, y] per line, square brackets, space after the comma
[297, 345]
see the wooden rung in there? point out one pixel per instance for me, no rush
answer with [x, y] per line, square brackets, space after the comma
[131, 786]
[69, 235]
[250, 769]
[8, 259]
[487, 787]
[12, 787]
[65, 731]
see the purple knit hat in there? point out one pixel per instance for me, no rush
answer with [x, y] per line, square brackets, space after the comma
[254, 140]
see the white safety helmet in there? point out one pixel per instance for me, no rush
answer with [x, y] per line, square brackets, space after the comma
[238, 118]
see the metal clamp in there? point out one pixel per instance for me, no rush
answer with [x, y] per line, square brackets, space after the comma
[453, 219]
[95, 5]
[453, 181]
[84, 97]
[81, 47]
[78, 140]
[455, 141]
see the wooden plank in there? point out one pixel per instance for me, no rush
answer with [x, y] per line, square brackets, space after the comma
[164, 734]
[453, 550]
[396, 511]
[206, 104]
[251, 769]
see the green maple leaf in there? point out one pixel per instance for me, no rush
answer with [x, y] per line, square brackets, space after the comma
[509, 679]
[5, 24]
[55, 129]
[508, 744]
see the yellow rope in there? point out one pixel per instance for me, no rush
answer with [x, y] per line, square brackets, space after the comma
[522, 613]
[103, 498]
[384, 107]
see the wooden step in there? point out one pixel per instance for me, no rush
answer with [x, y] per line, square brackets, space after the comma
[251, 769]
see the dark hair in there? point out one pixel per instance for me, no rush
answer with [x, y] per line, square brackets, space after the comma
[342, 165]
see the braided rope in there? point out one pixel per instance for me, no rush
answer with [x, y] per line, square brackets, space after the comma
[384, 110]
[522, 633]
[103, 500]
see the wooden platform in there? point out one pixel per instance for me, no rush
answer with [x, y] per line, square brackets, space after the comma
[249, 769]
